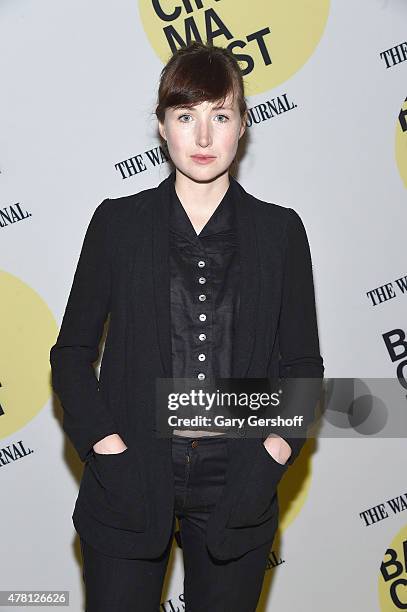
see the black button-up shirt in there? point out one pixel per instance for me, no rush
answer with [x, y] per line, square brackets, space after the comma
[204, 292]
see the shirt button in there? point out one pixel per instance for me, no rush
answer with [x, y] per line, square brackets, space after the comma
[202, 317]
[201, 375]
[201, 357]
[201, 263]
[202, 297]
[202, 280]
[202, 337]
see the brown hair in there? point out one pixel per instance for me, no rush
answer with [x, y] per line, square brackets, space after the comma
[199, 72]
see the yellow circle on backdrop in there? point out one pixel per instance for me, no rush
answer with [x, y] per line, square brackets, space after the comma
[272, 40]
[392, 582]
[27, 332]
[401, 142]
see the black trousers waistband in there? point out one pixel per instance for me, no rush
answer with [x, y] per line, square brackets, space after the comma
[188, 440]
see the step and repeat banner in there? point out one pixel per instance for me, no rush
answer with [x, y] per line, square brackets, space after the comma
[326, 83]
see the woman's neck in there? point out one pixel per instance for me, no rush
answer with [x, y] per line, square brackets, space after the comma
[200, 199]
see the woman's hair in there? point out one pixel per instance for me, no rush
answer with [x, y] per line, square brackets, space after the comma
[197, 73]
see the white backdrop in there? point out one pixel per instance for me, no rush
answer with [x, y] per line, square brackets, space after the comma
[78, 83]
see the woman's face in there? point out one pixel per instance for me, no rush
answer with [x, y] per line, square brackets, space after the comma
[202, 141]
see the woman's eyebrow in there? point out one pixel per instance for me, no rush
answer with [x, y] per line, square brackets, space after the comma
[213, 108]
[223, 107]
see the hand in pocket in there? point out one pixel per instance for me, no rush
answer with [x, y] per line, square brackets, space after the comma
[110, 445]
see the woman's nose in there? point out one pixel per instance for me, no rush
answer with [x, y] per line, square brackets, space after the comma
[203, 135]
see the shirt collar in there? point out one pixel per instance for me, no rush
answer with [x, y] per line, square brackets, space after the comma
[221, 221]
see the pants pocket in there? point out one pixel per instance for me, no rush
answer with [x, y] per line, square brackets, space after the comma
[258, 502]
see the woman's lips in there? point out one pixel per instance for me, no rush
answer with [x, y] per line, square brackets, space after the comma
[203, 159]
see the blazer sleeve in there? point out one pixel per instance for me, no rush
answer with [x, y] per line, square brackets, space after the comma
[86, 418]
[301, 366]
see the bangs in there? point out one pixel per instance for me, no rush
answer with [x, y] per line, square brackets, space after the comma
[199, 79]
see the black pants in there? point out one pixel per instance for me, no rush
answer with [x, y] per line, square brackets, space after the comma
[135, 585]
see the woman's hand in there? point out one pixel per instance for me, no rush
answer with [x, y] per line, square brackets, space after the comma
[111, 444]
[278, 448]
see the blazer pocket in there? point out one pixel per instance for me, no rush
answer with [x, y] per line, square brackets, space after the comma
[259, 501]
[111, 490]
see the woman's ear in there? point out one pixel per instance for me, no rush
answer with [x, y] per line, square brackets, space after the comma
[161, 130]
[243, 125]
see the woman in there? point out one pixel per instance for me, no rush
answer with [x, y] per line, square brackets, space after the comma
[201, 280]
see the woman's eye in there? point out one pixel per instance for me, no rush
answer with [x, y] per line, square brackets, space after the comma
[225, 117]
[219, 118]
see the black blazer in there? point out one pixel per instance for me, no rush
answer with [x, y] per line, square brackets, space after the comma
[125, 502]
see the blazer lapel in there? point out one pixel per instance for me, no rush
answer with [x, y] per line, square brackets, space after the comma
[243, 341]
[161, 271]
[250, 284]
